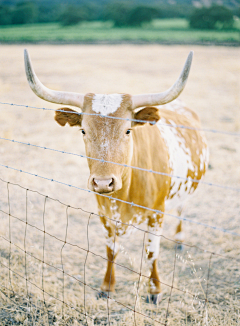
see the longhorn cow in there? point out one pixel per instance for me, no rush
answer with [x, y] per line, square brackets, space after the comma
[139, 131]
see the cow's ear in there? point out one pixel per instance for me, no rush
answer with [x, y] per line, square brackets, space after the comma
[148, 114]
[66, 115]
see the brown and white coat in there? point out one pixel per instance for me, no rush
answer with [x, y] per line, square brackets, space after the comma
[112, 136]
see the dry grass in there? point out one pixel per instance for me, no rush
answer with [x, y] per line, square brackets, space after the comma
[213, 91]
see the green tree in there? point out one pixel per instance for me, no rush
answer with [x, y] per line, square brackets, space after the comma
[93, 11]
[72, 15]
[123, 14]
[5, 15]
[211, 18]
[141, 14]
[25, 13]
[48, 12]
[175, 11]
[223, 16]
[236, 12]
[118, 13]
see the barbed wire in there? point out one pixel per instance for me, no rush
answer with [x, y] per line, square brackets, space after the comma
[126, 119]
[126, 224]
[84, 283]
[125, 202]
[65, 241]
[124, 165]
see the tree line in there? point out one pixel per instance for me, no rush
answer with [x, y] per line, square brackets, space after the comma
[121, 13]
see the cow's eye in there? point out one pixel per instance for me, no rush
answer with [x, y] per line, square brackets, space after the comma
[128, 131]
[83, 131]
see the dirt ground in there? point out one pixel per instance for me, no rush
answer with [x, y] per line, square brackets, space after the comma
[189, 276]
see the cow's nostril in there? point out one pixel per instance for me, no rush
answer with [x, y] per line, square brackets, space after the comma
[111, 183]
[94, 183]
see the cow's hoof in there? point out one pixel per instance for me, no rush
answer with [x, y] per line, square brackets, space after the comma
[102, 295]
[180, 246]
[154, 298]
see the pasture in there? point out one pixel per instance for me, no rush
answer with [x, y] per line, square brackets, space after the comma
[169, 31]
[189, 277]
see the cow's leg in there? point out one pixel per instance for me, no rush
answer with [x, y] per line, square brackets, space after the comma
[109, 279]
[152, 247]
[179, 235]
[108, 284]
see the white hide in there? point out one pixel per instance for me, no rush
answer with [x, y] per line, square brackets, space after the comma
[180, 161]
[105, 104]
[114, 209]
[180, 236]
[153, 243]
[113, 245]
[178, 107]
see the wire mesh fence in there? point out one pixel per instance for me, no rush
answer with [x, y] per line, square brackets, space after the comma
[29, 268]
[42, 283]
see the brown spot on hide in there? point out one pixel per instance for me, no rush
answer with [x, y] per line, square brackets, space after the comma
[150, 255]
[179, 227]
[180, 186]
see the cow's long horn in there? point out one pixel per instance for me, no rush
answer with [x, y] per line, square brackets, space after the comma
[167, 96]
[47, 94]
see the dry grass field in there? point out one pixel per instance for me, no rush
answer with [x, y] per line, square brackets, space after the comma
[213, 91]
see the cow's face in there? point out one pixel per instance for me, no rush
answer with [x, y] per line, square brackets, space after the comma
[107, 132]
[107, 139]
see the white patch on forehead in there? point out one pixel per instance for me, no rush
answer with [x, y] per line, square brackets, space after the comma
[106, 104]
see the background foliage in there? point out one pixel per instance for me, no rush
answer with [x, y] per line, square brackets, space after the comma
[121, 12]
[211, 18]
[157, 21]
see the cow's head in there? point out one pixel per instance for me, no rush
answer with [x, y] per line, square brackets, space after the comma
[106, 124]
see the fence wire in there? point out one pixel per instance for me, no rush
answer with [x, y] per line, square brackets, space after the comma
[46, 307]
[126, 119]
[34, 311]
[132, 204]
[124, 165]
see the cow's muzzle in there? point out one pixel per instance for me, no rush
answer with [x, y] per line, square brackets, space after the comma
[104, 185]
